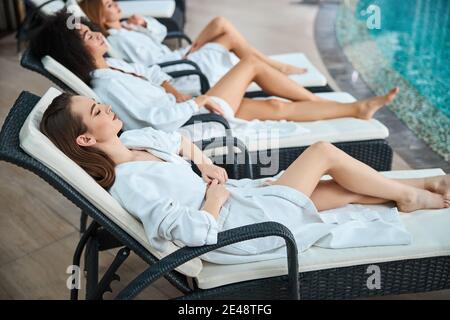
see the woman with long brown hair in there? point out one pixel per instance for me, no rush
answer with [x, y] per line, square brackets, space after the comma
[144, 170]
[144, 96]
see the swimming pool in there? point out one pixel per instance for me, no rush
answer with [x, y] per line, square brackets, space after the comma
[407, 44]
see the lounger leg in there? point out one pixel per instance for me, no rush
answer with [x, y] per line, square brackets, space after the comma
[91, 264]
[110, 275]
[79, 250]
[83, 222]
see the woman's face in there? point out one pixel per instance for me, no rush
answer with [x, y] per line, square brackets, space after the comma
[101, 122]
[111, 11]
[93, 41]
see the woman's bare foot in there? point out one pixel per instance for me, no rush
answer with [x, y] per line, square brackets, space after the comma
[290, 69]
[367, 108]
[422, 199]
[439, 184]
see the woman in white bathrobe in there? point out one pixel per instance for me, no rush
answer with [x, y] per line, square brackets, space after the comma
[143, 96]
[216, 50]
[144, 170]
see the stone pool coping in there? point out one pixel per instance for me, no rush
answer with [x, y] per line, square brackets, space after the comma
[404, 142]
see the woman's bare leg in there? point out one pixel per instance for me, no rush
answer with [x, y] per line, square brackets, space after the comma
[438, 184]
[276, 109]
[233, 85]
[323, 158]
[222, 31]
[215, 28]
[329, 195]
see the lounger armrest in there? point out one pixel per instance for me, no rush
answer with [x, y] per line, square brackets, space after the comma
[208, 117]
[225, 238]
[178, 35]
[183, 61]
[204, 83]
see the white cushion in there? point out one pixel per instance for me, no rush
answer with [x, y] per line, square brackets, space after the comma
[36, 144]
[50, 8]
[312, 78]
[68, 77]
[156, 9]
[429, 229]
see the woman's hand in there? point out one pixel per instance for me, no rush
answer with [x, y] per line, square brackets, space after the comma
[269, 182]
[194, 47]
[180, 97]
[206, 102]
[217, 193]
[137, 20]
[211, 172]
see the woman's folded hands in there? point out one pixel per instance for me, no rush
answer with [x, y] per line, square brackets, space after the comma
[212, 172]
[216, 196]
[137, 20]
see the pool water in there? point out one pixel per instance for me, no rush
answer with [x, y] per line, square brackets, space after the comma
[408, 47]
[415, 36]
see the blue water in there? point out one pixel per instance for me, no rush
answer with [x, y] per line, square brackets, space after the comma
[415, 38]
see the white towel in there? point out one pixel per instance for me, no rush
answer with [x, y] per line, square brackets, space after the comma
[359, 226]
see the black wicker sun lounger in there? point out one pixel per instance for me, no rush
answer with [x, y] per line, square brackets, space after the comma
[400, 276]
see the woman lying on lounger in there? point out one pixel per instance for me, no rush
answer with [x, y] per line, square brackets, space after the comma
[143, 96]
[144, 171]
[216, 50]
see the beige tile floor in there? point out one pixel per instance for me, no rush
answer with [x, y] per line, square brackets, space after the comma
[38, 227]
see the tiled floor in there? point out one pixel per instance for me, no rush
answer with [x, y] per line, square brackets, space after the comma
[38, 227]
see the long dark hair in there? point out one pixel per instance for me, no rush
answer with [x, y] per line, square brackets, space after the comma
[62, 127]
[64, 44]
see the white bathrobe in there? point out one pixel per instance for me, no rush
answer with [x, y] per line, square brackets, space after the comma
[141, 103]
[144, 46]
[167, 198]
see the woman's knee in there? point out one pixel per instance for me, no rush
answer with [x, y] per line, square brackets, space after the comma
[277, 107]
[220, 23]
[324, 148]
[251, 60]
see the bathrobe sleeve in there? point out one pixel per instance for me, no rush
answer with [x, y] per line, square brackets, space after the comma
[138, 110]
[163, 218]
[155, 29]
